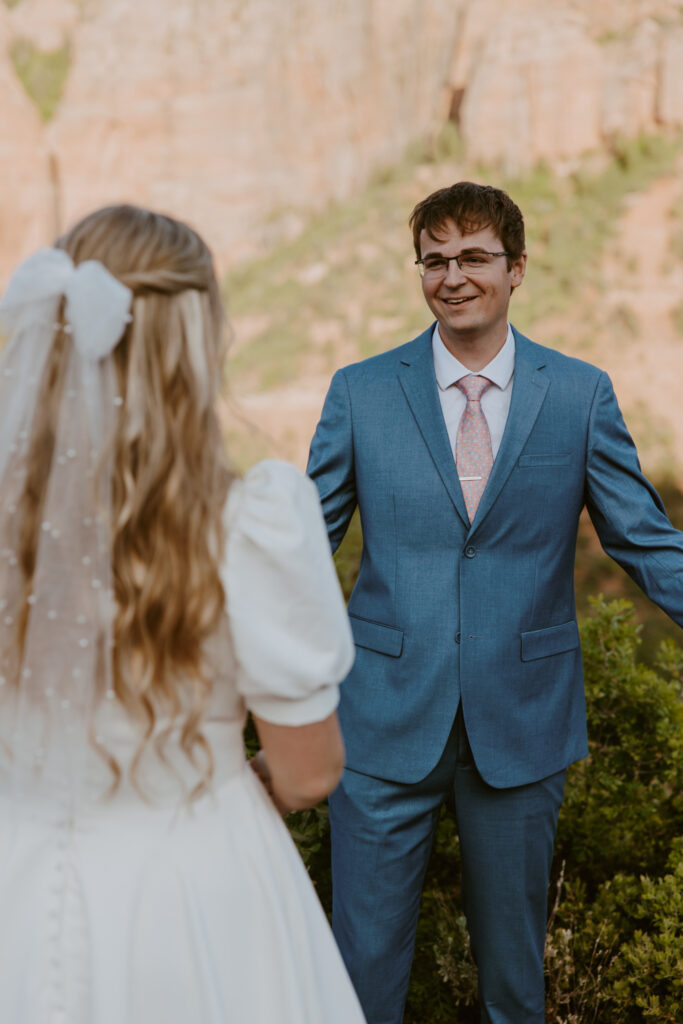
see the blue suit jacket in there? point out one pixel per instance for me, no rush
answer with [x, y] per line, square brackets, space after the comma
[443, 611]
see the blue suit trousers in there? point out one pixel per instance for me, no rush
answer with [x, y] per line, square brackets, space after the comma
[382, 835]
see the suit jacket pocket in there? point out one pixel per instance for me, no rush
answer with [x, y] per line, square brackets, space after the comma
[376, 636]
[550, 459]
[541, 643]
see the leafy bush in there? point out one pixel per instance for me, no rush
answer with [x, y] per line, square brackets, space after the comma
[615, 939]
[348, 556]
[620, 958]
[615, 934]
[645, 981]
[614, 952]
[623, 802]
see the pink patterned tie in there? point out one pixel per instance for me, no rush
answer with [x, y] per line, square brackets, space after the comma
[473, 452]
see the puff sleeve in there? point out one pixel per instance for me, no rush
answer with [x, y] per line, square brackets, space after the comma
[290, 630]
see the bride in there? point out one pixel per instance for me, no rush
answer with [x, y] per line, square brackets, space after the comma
[148, 599]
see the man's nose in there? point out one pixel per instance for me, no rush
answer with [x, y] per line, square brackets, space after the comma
[454, 274]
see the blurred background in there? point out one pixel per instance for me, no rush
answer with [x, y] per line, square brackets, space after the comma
[296, 136]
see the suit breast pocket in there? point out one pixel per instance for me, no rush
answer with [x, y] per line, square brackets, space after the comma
[375, 636]
[544, 459]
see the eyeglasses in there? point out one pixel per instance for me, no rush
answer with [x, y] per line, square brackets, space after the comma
[474, 261]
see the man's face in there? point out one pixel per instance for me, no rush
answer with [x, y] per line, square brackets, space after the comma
[470, 307]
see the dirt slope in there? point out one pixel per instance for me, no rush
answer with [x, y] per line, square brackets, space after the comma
[632, 336]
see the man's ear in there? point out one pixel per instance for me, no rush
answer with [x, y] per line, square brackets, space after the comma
[517, 271]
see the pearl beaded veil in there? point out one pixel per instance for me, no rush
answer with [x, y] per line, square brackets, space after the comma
[56, 688]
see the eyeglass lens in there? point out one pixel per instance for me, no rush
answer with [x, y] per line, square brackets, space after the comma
[470, 262]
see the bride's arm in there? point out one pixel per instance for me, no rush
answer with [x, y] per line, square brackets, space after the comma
[299, 764]
[290, 630]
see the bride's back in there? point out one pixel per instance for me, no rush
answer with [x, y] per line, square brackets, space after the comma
[111, 519]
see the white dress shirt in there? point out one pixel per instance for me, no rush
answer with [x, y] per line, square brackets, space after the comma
[495, 402]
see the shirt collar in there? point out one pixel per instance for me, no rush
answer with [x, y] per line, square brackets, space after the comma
[448, 369]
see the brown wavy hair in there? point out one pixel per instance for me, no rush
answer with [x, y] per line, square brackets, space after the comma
[170, 471]
[471, 207]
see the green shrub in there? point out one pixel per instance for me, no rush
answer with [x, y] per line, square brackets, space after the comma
[623, 802]
[43, 75]
[619, 958]
[348, 556]
[614, 945]
[614, 951]
[615, 935]
[645, 979]
[444, 976]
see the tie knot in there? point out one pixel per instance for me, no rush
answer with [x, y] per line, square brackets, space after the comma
[473, 386]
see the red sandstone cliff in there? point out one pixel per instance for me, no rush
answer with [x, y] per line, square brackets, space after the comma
[240, 114]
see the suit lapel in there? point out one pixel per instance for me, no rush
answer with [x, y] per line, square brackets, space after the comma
[417, 378]
[528, 394]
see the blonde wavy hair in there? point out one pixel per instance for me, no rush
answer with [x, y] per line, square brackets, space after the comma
[170, 470]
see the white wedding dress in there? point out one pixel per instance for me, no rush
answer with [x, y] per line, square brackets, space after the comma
[153, 911]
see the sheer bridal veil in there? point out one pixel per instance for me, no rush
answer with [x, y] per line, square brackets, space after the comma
[56, 607]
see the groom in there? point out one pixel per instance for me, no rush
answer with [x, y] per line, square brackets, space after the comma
[470, 452]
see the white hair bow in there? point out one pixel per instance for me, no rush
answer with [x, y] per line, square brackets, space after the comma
[97, 304]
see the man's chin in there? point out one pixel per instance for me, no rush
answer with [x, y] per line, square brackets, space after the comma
[460, 325]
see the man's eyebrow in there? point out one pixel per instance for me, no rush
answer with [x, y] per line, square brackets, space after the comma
[463, 252]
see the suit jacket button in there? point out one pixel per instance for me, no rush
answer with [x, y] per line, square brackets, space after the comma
[457, 638]
[470, 552]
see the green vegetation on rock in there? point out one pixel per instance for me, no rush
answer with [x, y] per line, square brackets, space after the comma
[348, 282]
[43, 75]
[570, 221]
[677, 237]
[678, 319]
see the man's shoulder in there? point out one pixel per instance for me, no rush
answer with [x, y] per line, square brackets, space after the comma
[552, 360]
[543, 357]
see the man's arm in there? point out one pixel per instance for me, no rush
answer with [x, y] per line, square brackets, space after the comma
[626, 510]
[331, 461]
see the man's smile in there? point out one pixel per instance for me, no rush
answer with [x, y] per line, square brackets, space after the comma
[458, 301]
